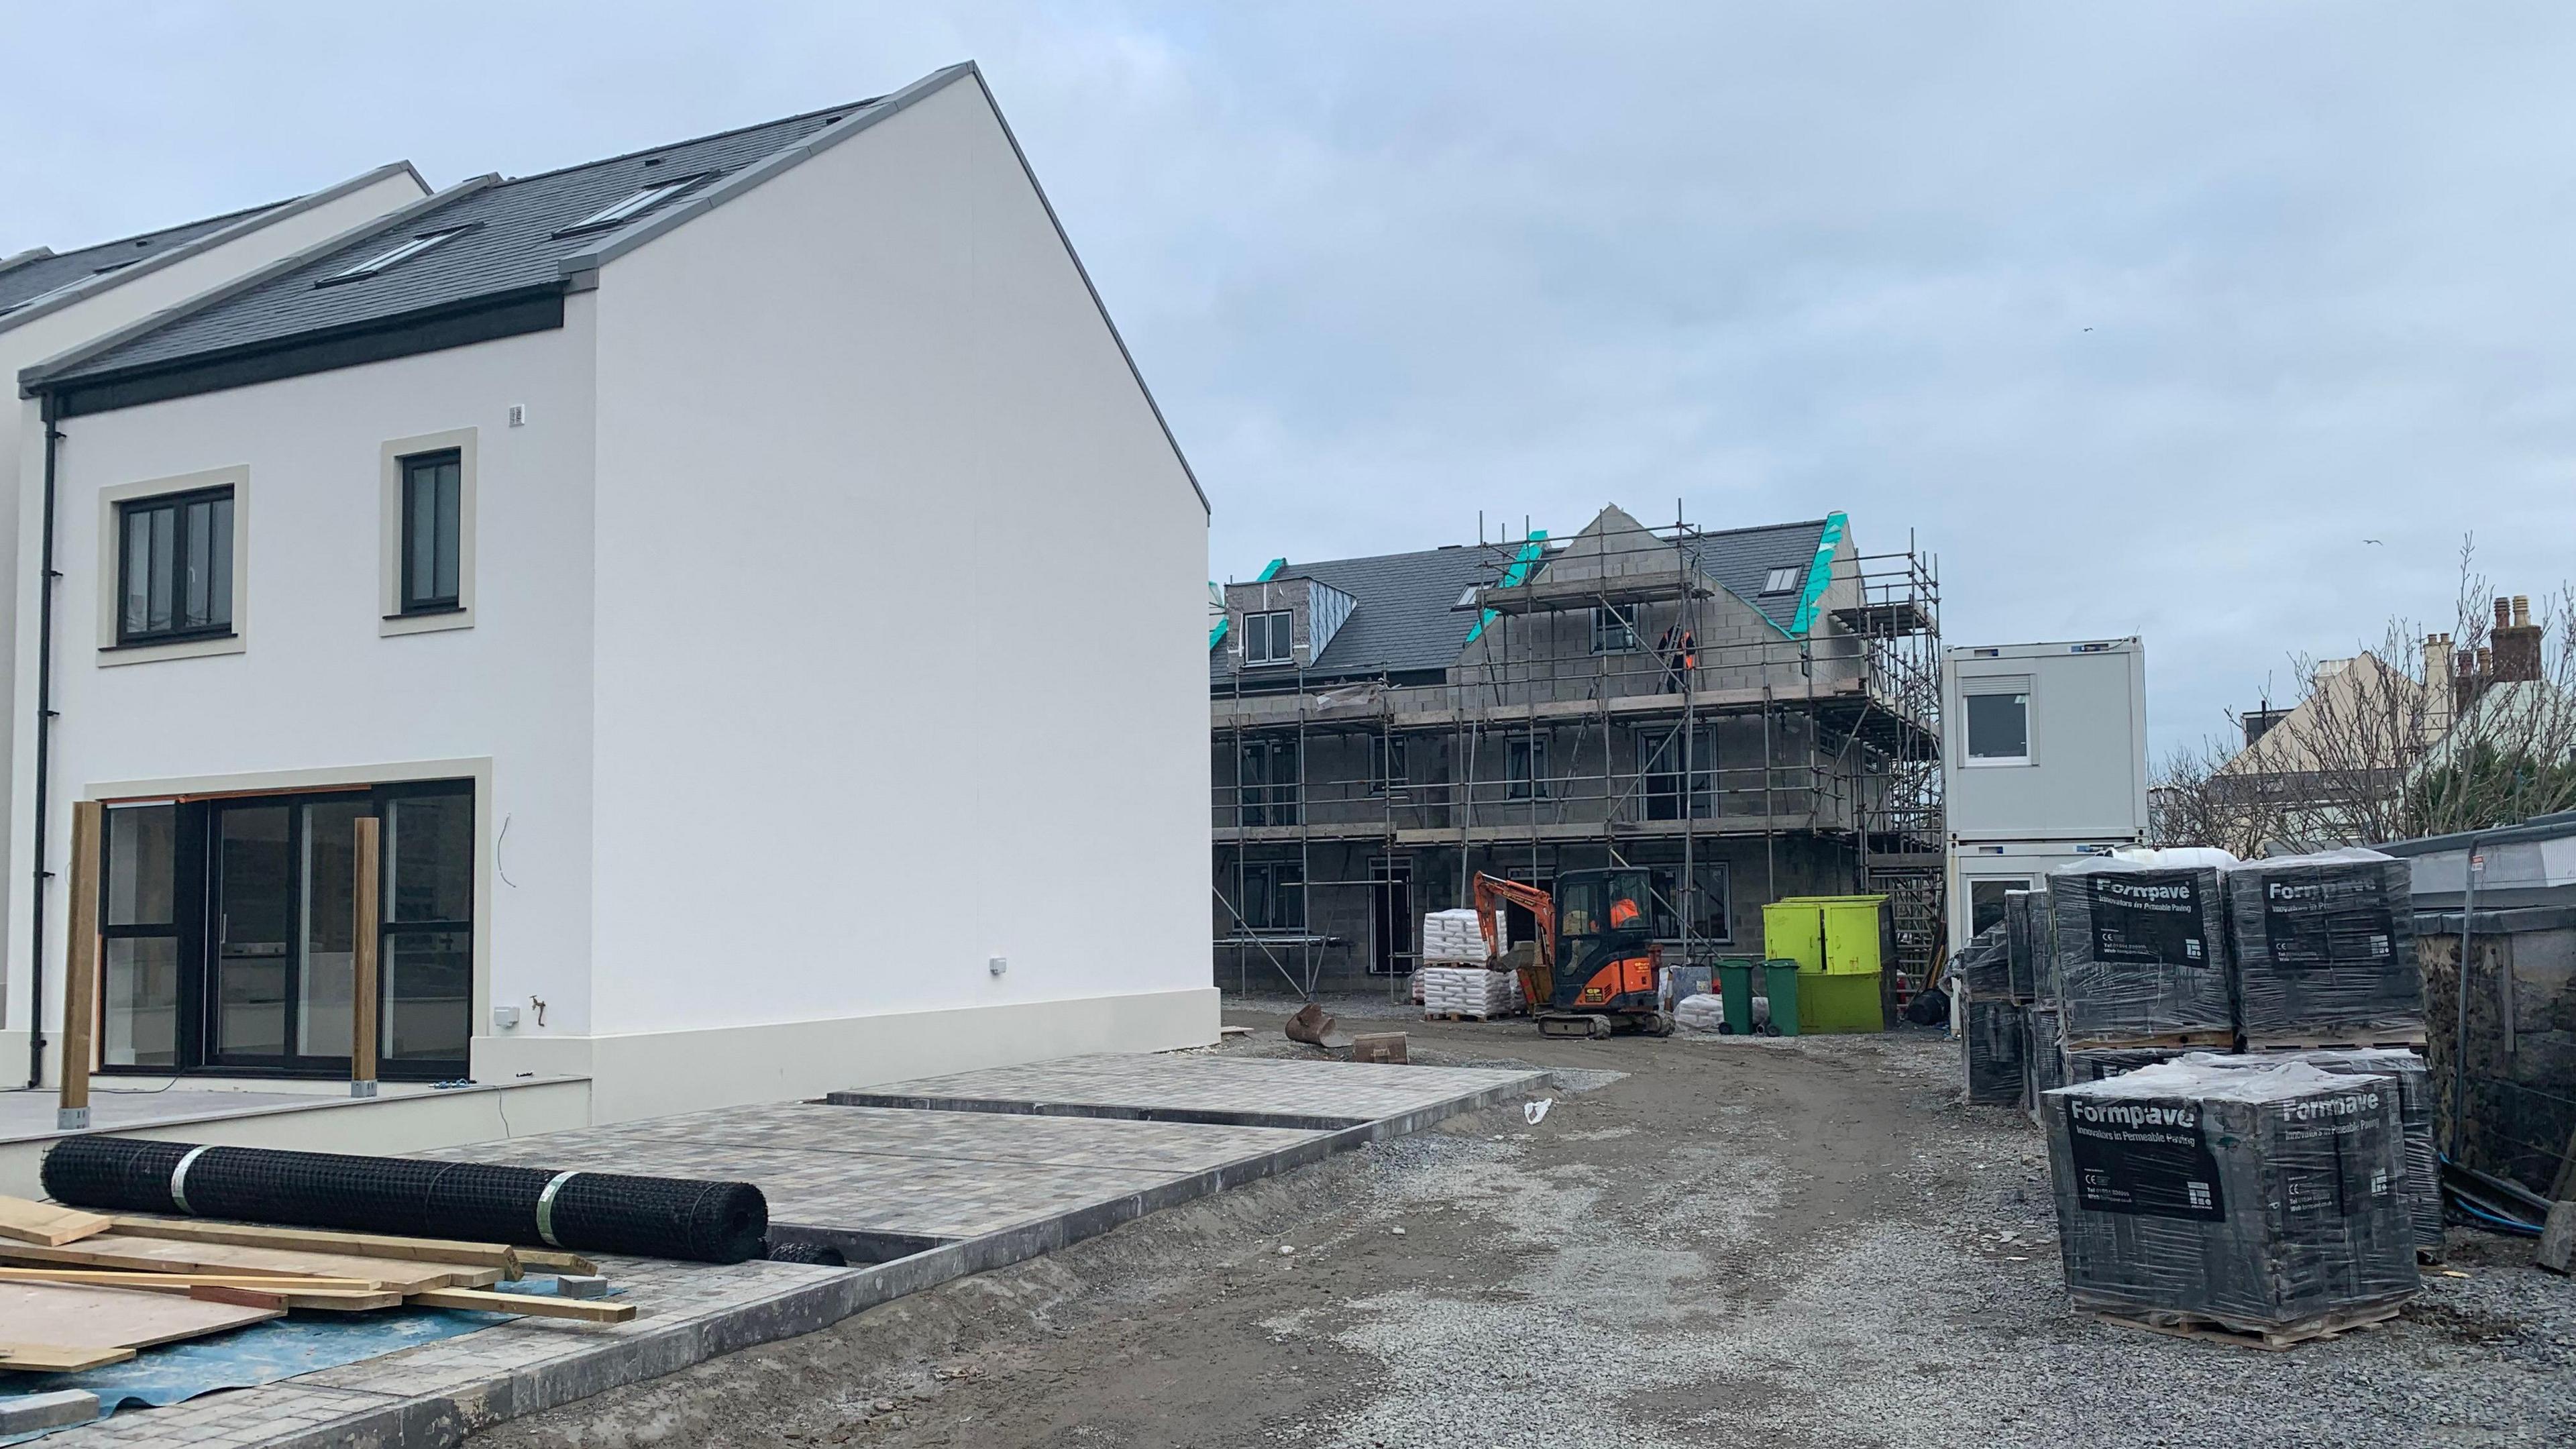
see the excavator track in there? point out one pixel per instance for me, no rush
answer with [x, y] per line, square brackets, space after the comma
[1573, 1024]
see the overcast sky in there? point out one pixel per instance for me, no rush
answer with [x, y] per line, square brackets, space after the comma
[2143, 318]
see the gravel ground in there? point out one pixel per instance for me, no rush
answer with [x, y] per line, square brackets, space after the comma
[1706, 1241]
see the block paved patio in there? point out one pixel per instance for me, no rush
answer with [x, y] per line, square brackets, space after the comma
[960, 1174]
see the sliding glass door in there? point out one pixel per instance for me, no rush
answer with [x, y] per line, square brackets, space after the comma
[230, 927]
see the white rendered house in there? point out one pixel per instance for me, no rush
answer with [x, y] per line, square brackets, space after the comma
[51, 302]
[747, 579]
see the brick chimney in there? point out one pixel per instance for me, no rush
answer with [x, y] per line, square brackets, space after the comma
[2437, 681]
[2517, 640]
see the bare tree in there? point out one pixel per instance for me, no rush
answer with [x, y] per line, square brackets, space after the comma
[2428, 733]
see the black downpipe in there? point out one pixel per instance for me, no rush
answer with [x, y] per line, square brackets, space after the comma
[44, 738]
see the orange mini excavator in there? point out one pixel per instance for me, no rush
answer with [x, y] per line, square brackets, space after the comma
[1591, 969]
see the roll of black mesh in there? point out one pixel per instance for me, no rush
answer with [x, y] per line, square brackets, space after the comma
[603, 1212]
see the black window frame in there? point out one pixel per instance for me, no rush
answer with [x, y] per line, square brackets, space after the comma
[1622, 630]
[195, 901]
[409, 600]
[1525, 767]
[179, 506]
[1269, 781]
[1274, 895]
[1276, 629]
[1386, 765]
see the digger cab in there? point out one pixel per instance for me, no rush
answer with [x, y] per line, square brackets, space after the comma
[1605, 948]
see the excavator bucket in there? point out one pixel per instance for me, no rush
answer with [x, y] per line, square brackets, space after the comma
[1315, 1027]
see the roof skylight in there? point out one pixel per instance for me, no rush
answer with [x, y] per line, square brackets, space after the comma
[635, 205]
[395, 256]
[1780, 581]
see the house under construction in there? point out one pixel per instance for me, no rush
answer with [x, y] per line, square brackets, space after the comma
[1749, 713]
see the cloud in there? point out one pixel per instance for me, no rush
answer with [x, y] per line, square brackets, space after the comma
[1386, 266]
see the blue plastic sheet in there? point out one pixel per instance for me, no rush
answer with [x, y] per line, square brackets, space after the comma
[261, 1353]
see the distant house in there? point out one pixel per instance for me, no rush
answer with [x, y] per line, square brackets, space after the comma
[1747, 713]
[626, 539]
[52, 302]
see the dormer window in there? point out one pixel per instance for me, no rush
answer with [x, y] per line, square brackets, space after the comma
[1265, 638]
[394, 256]
[1781, 581]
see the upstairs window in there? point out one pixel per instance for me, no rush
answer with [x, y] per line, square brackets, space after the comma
[1265, 638]
[1780, 581]
[431, 532]
[394, 256]
[1386, 764]
[1614, 628]
[175, 567]
[1525, 769]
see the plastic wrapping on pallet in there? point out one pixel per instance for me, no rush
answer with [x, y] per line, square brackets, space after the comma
[1980, 965]
[2092, 1064]
[1992, 1045]
[2139, 951]
[2324, 945]
[2257, 1199]
[1469, 991]
[1456, 936]
[2423, 1185]
[603, 1212]
[2022, 914]
[2043, 1056]
[1701, 1013]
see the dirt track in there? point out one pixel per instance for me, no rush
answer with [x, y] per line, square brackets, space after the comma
[1756, 1242]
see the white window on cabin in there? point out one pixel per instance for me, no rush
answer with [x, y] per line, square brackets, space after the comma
[1998, 711]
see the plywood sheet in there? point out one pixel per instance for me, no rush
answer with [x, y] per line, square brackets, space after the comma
[69, 1317]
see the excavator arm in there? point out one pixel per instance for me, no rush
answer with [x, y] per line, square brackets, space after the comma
[1538, 979]
[1492, 891]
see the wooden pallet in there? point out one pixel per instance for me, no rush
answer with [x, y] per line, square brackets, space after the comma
[2180, 1041]
[2393, 1040]
[2270, 1340]
[1467, 1015]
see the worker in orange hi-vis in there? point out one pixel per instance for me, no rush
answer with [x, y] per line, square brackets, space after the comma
[1681, 656]
[1623, 913]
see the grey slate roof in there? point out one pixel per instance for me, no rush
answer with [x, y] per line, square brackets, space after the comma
[38, 275]
[513, 248]
[1407, 617]
[1738, 558]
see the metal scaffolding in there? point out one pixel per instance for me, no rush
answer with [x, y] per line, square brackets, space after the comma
[1624, 715]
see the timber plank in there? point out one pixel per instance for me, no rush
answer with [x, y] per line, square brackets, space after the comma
[54, 1358]
[169, 1255]
[585, 1310]
[324, 1240]
[51, 1224]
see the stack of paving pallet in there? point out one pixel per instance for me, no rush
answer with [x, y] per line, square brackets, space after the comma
[1455, 937]
[1471, 992]
[2324, 951]
[2137, 955]
[2420, 1182]
[2263, 1202]
[88, 1289]
[1990, 1020]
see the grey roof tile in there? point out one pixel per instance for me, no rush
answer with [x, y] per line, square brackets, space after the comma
[1407, 616]
[512, 247]
[38, 275]
[1738, 558]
